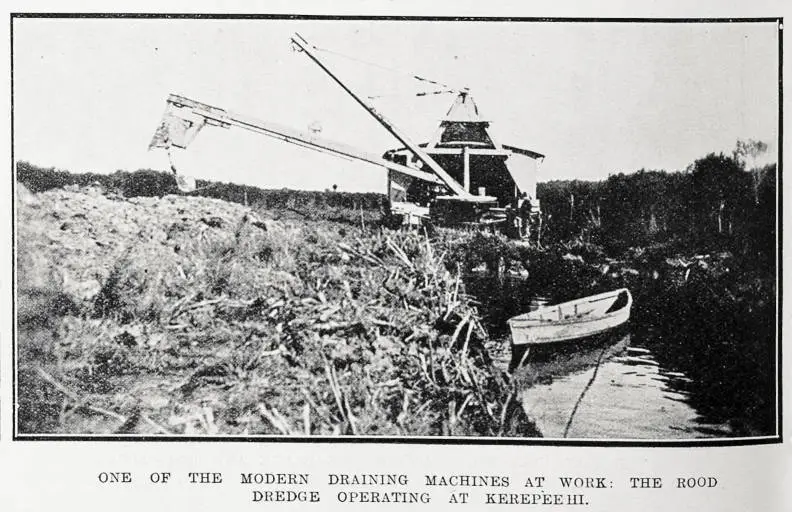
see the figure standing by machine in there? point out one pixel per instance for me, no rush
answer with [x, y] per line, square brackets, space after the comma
[524, 213]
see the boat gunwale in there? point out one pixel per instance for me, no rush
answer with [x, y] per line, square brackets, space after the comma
[514, 322]
[528, 320]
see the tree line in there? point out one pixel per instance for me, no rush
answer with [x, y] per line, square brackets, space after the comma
[152, 183]
[719, 201]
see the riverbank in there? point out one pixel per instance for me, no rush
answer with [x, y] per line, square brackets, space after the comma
[180, 315]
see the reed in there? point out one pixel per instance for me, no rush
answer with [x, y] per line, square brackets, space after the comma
[223, 327]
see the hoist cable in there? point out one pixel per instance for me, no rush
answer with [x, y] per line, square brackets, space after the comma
[421, 93]
[387, 68]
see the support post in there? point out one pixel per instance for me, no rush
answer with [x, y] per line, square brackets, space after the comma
[466, 167]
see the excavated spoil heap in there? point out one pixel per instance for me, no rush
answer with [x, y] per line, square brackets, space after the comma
[183, 315]
[77, 235]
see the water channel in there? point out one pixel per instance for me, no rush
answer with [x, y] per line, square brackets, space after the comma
[636, 384]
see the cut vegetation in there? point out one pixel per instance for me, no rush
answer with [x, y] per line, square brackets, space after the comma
[188, 315]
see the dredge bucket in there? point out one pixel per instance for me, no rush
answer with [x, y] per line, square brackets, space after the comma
[179, 125]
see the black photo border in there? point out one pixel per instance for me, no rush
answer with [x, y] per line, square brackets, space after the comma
[742, 441]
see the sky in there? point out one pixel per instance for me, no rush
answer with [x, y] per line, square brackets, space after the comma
[595, 98]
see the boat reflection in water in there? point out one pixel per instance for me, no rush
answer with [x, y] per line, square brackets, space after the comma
[539, 363]
[605, 389]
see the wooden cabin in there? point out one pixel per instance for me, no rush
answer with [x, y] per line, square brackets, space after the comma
[463, 146]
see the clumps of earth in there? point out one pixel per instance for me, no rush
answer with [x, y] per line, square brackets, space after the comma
[190, 315]
[76, 235]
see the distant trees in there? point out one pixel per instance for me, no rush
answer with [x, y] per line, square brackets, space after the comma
[38, 179]
[721, 189]
[570, 206]
[147, 182]
[718, 199]
[143, 182]
[635, 205]
[747, 151]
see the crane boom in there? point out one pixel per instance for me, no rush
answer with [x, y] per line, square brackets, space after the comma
[184, 117]
[450, 182]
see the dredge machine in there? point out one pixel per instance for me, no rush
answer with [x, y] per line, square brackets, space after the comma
[462, 177]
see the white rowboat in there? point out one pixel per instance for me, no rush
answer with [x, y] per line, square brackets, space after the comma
[572, 320]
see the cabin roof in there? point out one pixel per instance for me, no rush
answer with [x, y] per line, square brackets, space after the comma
[526, 152]
[464, 110]
[464, 127]
[514, 149]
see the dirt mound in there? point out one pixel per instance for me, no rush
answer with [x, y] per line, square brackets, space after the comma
[190, 315]
[74, 237]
